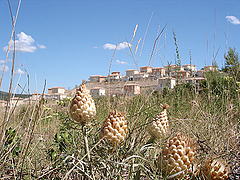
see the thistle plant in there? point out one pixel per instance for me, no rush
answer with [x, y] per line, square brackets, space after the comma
[115, 128]
[178, 157]
[215, 169]
[83, 110]
[159, 127]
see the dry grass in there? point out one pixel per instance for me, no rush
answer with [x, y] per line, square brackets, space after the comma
[56, 145]
[40, 141]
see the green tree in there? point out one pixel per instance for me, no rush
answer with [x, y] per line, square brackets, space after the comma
[232, 64]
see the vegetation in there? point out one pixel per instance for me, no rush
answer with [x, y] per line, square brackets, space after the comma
[51, 140]
[5, 95]
[41, 140]
[232, 64]
[178, 60]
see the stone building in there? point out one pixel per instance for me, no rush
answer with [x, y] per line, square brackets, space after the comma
[96, 92]
[166, 82]
[131, 89]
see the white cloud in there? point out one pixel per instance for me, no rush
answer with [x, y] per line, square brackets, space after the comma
[233, 19]
[24, 43]
[2, 61]
[121, 62]
[19, 71]
[109, 46]
[42, 46]
[119, 46]
[4, 68]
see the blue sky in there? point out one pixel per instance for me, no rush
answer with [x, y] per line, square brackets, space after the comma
[65, 42]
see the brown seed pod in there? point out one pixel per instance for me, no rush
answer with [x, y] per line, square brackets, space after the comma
[115, 128]
[215, 169]
[159, 127]
[82, 107]
[178, 157]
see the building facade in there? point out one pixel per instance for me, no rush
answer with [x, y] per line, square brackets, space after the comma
[131, 89]
[56, 90]
[166, 82]
[96, 92]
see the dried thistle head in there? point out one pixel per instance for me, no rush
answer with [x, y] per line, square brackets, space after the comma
[82, 107]
[178, 157]
[215, 169]
[159, 127]
[115, 128]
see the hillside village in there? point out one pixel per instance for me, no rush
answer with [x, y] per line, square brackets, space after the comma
[146, 78]
[134, 82]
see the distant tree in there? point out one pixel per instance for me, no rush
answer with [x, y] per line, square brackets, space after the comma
[232, 64]
[217, 83]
